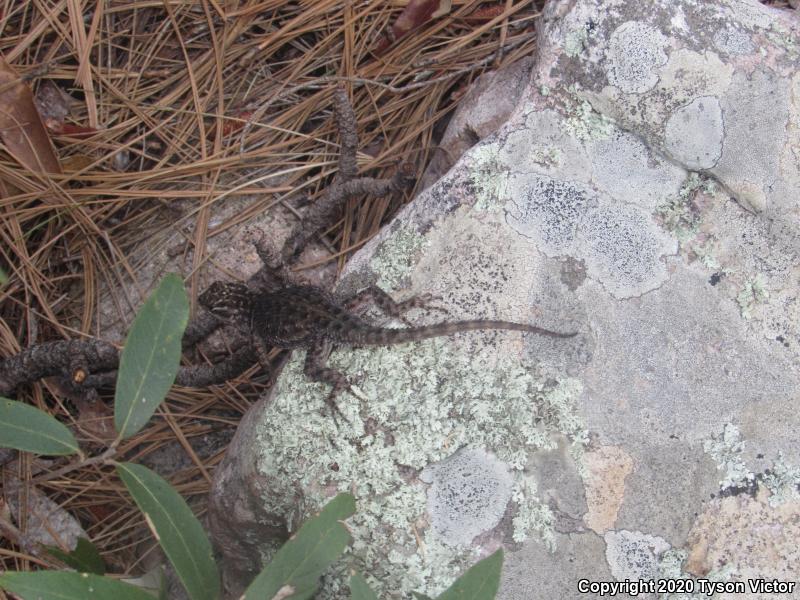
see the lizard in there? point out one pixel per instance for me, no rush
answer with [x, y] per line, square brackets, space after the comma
[307, 317]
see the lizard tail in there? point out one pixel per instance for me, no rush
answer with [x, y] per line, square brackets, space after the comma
[376, 336]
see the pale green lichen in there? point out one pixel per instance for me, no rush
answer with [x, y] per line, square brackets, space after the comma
[705, 253]
[786, 40]
[547, 157]
[753, 292]
[782, 480]
[531, 516]
[585, 124]
[423, 401]
[670, 566]
[677, 213]
[726, 450]
[395, 257]
[575, 42]
[488, 178]
[670, 563]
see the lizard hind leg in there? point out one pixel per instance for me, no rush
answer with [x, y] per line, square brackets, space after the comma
[388, 305]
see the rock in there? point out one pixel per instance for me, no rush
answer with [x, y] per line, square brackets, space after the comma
[644, 192]
[486, 106]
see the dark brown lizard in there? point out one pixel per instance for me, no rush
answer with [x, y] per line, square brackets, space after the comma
[304, 316]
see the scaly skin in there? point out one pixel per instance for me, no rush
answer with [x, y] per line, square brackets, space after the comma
[303, 316]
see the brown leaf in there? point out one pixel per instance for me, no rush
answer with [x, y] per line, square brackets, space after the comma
[484, 14]
[236, 122]
[21, 127]
[76, 162]
[74, 131]
[416, 13]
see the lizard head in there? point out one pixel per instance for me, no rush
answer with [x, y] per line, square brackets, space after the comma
[227, 301]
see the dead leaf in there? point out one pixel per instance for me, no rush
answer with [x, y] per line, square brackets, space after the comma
[484, 14]
[76, 162]
[74, 131]
[96, 419]
[21, 127]
[234, 123]
[415, 14]
[46, 523]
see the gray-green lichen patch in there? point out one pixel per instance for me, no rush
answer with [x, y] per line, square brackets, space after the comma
[575, 42]
[781, 479]
[489, 178]
[671, 566]
[733, 41]
[756, 110]
[635, 52]
[548, 210]
[726, 450]
[679, 214]
[783, 482]
[624, 249]
[694, 133]
[585, 124]
[395, 257]
[551, 151]
[419, 403]
[753, 292]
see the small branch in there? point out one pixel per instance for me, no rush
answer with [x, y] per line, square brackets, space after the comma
[73, 359]
[10, 532]
[346, 122]
[194, 376]
[85, 365]
[346, 185]
[106, 455]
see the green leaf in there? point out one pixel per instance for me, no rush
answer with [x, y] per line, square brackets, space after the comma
[480, 582]
[360, 590]
[176, 528]
[85, 558]
[301, 561]
[25, 427]
[67, 585]
[151, 356]
[153, 582]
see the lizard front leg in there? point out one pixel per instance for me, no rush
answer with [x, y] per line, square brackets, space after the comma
[262, 352]
[316, 370]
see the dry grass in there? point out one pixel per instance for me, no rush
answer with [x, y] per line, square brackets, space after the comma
[194, 103]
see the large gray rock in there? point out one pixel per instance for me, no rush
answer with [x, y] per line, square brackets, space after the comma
[645, 193]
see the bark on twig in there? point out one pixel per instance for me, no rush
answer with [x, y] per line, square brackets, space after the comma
[346, 185]
[72, 359]
[90, 364]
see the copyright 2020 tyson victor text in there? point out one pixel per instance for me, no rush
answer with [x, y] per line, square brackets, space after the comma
[635, 587]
